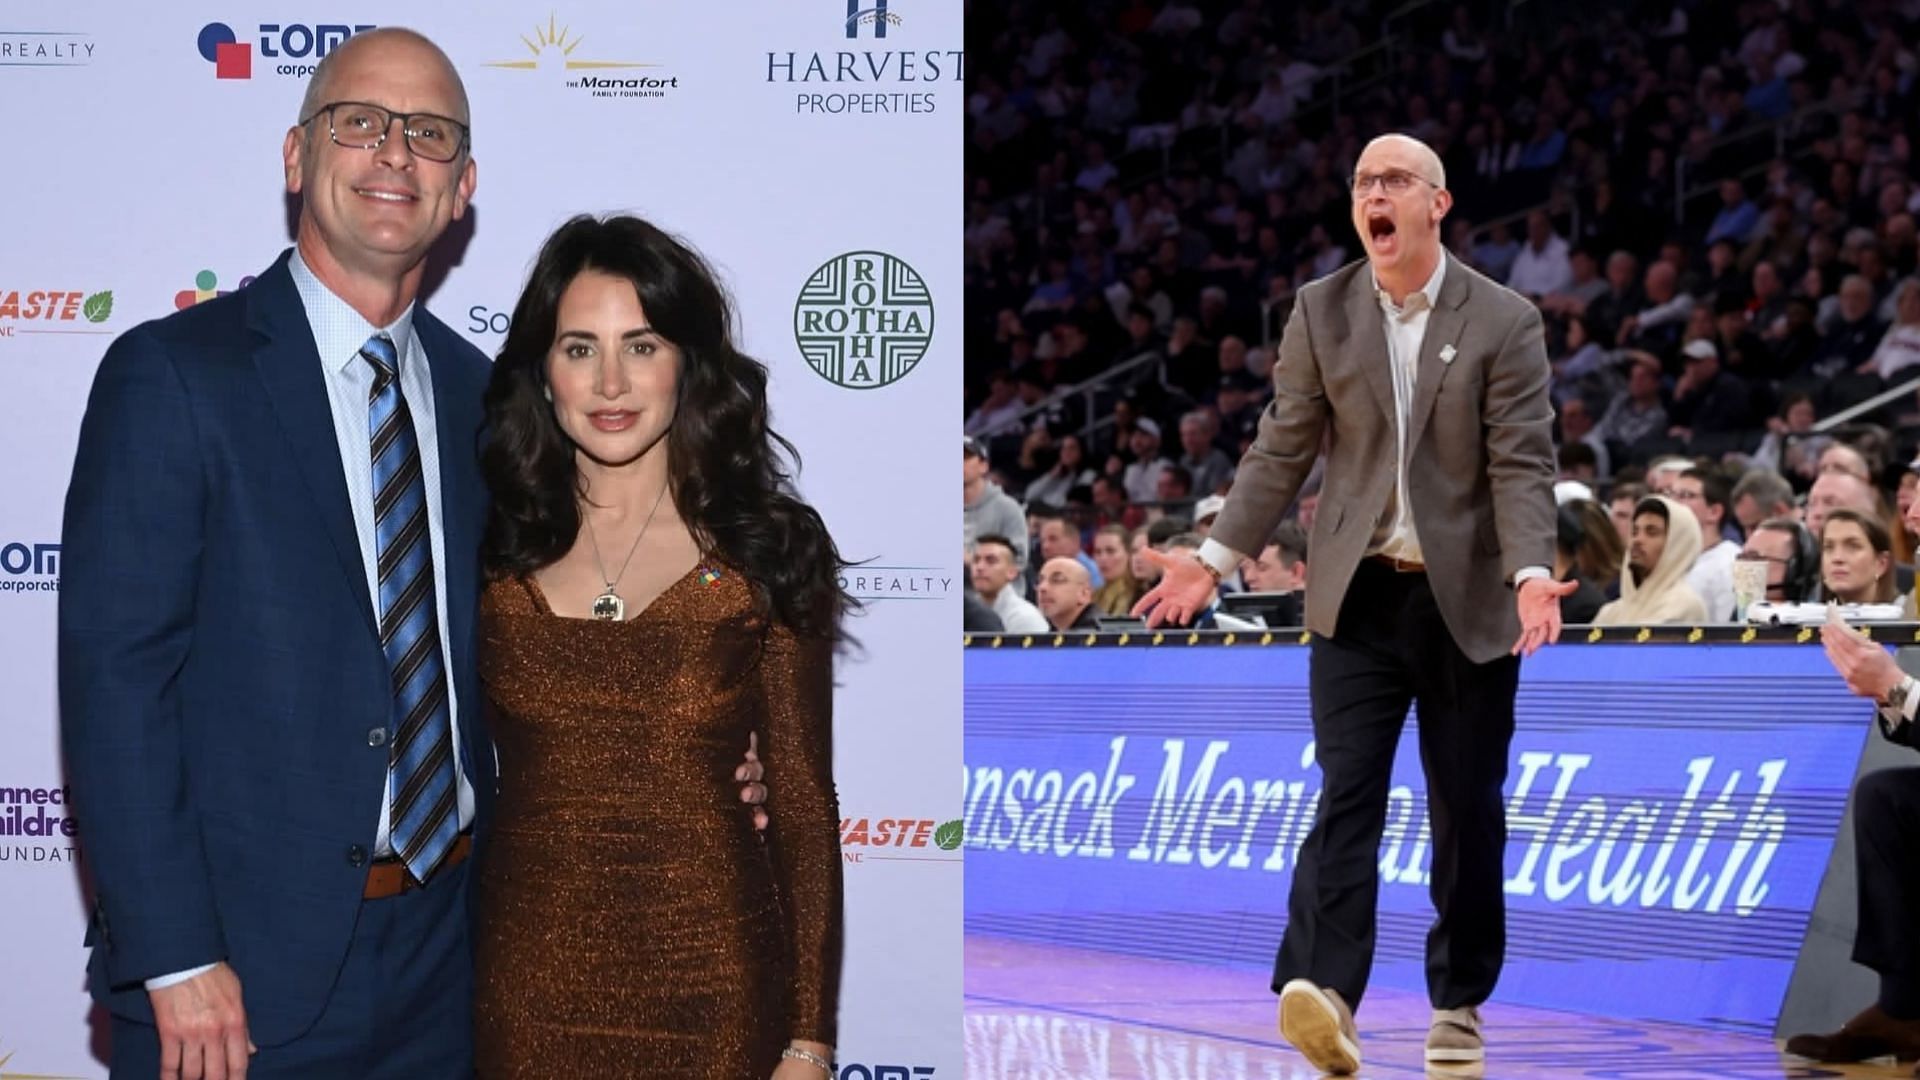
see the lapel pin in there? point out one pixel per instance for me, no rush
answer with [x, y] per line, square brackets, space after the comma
[1446, 354]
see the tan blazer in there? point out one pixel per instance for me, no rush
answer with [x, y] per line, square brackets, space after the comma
[1480, 456]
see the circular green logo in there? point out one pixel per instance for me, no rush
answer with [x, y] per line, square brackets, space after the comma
[864, 320]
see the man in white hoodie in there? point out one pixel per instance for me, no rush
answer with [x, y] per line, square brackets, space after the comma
[1653, 587]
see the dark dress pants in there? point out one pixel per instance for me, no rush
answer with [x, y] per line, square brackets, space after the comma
[1392, 649]
[1886, 839]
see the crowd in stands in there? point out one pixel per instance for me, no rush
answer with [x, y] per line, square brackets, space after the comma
[1713, 205]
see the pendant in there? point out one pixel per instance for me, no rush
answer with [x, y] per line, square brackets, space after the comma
[609, 607]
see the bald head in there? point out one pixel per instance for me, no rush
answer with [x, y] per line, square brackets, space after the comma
[1065, 589]
[1838, 491]
[373, 48]
[1408, 149]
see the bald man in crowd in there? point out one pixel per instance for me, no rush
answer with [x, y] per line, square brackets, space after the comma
[1065, 593]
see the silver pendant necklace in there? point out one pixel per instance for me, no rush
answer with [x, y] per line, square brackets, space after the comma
[608, 606]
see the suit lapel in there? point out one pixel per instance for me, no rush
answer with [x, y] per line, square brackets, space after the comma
[1443, 329]
[1368, 335]
[289, 367]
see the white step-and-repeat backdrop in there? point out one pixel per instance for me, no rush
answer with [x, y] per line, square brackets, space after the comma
[807, 147]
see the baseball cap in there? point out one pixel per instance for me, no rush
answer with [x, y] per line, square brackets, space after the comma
[1208, 507]
[974, 448]
[1700, 349]
[1147, 425]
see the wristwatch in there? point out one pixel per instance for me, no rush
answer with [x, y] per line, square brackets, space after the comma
[1895, 699]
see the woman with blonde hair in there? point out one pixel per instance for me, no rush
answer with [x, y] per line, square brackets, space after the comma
[1111, 553]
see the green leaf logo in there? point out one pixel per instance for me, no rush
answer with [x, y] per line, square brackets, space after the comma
[948, 836]
[99, 306]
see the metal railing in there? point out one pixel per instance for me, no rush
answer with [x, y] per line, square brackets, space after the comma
[1883, 398]
[1085, 390]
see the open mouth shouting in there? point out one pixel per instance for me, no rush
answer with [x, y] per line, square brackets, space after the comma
[1383, 235]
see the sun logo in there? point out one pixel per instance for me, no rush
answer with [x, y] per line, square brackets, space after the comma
[554, 40]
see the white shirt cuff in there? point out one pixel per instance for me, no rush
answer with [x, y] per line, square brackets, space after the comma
[1526, 573]
[1220, 556]
[1892, 721]
[161, 982]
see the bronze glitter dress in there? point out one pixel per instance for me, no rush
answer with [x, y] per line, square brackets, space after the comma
[631, 922]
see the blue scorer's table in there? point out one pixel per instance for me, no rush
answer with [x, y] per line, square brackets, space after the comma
[1673, 801]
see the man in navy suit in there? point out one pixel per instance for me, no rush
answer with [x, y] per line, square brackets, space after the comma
[270, 709]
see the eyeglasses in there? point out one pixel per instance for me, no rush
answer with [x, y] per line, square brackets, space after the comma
[357, 125]
[1393, 182]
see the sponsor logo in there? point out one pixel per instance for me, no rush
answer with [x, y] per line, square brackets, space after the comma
[35, 826]
[53, 311]
[45, 48]
[891, 839]
[855, 1070]
[551, 48]
[29, 568]
[864, 320]
[297, 47]
[874, 20]
[872, 583]
[206, 286]
[869, 81]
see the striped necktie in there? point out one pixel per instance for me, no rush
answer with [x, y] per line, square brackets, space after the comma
[424, 818]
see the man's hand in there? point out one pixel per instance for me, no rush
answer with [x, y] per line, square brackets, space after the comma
[751, 789]
[1539, 600]
[1868, 668]
[203, 1027]
[1182, 593]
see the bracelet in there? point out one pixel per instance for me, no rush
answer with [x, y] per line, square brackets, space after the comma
[809, 1057]
[1212, 570]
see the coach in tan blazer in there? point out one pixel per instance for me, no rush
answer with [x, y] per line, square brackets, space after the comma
[1429, 581]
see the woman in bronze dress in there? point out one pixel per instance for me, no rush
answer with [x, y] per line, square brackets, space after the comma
[657, 597]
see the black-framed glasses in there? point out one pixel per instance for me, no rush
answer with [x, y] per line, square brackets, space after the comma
[1393, 182]
[358, 125]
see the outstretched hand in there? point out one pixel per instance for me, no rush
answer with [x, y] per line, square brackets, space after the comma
[1182, 593]
[1539, 600]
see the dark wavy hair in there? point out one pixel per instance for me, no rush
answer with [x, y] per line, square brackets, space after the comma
[724, 465]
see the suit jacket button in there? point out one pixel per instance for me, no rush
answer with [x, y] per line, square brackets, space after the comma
[377, 736]
[356, 856]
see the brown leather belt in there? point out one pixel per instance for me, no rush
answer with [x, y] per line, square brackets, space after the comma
[1398, 566]
[390, 877]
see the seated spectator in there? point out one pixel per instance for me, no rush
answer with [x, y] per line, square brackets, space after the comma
[1542, 266]
[1068, 474]
[1496, 254]
[1899, 349]
[1708, 400]
[999, 408]
[996, 567]
[1142, 477]
[1620, 507]
[1066, 596]
[1207, 468]
[1791, 448]
[1838, 491]
[1145, 570]
[977, 618]
[1737, 217]
[1704, 492]
[1656, 327]
[1653, 585]
[987, 510]
[1636, 412]
[1117, 596]
[1761, 494]
[1622, 298]
[1060, 539]
[1281, 565]
[1855, 334]
[1601, 552]
[1792, 556]
[1584, 602]
[1174, 493]
[1856, 559]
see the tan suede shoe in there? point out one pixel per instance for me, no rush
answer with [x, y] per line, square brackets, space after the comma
[1455, 1036]
[1319, 1025]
